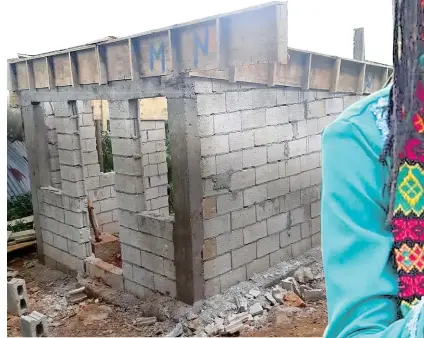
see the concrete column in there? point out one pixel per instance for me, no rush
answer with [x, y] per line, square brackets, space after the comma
[188, 229]
[32, 127]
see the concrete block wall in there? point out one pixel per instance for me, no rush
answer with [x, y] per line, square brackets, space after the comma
[261, 159]
[100, 186]
[147, 249]
[105, 203]
[148, 255]
[155, 168]
[65, 231]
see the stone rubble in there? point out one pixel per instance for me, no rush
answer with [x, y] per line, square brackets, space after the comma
[275, 295]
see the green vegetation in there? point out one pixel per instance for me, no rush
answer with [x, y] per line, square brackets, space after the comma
[19, 207]
[107, 152]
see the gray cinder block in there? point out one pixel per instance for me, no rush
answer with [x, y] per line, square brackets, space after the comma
[34, 325]
[17, 297]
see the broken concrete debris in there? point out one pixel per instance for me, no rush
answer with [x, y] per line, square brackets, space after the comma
[290, 284]
[313, 295]
[241, 303]
[194, 325]
[256, 309]
[77, 295]
[254, 293]
[176, 331]
[145, 321]
[303, 274]
[278, 293]
[270, 298]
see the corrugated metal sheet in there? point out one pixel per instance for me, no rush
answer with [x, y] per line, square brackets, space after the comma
[18, 182]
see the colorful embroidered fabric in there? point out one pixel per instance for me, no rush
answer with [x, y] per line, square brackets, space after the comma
[408, 217]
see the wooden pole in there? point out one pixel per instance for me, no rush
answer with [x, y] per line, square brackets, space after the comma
[93, 219]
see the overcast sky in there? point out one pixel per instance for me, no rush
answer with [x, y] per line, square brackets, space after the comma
[324, 26]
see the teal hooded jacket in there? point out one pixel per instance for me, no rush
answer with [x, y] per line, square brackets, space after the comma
[361, 281]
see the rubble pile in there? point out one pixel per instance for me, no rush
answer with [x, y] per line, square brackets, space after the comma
[258, 306]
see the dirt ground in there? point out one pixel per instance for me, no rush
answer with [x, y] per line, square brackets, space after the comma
[93, 317]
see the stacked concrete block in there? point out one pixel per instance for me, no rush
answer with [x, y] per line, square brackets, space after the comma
[129, 185]
[261, 170]
[148, 255]
[17, 297]
[52, 146]
[155, 168]
[63, 212]
[100, 186]
[105, 203]
[65, 229]
[34, 325]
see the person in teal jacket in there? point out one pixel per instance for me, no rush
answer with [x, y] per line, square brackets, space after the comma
[373, 207]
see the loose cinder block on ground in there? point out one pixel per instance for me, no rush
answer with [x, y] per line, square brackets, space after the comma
[17, 297]
[34, 325]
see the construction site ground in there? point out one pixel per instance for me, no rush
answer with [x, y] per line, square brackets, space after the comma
[108, 312]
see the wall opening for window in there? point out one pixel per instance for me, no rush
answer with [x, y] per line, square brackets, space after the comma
[102, 129]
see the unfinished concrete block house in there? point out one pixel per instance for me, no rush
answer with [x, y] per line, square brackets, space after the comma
[245, 115]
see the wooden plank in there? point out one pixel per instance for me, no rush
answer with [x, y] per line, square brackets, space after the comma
[62, 70]
[22, 75]
[359, 44]
[307, 72]
[87, 66]
[22, 234]
[30, 72]
[118, 61]
[15, 247]
[153, 109]
[335, 76]
[28, 219]
[101, 64]
[50, 72]
[282, 33]
[40, 73]
[73, 64]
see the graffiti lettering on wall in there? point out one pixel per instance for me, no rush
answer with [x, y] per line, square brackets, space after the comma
[201, 50]
[157, 54]
[198, 45]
